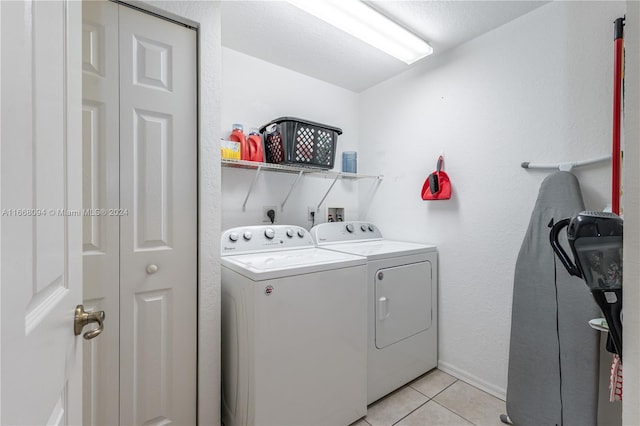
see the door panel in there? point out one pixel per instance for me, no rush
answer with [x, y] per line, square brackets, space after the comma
[159, 234]
[153, 356]
[101, 181]
[48, 159]
[403, 302]
[152, 175]
[152, 63]
[40, 198]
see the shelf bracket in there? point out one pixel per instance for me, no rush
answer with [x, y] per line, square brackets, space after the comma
[364, 210]
[328, 191]
[255, 179]
[295, 183]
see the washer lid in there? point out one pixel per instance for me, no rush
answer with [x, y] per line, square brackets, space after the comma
[381, 249]
[276, 264]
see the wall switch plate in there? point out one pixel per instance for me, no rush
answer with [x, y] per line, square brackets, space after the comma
[265, 214]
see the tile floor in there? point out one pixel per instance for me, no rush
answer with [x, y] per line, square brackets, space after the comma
[435, 399]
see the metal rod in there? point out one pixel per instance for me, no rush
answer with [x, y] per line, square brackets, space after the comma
[255, 179]
[328, 191]
[295, 183]
[564, 166]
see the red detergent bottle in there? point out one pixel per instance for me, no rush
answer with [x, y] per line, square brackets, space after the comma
[254, 141]
[237, 135]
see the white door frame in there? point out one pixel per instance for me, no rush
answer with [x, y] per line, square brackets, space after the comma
[205, 17]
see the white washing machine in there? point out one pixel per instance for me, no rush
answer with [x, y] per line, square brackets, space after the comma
[294, 327]
[402, 293]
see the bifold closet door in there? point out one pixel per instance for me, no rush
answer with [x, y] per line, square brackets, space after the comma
[158, 232]
[140, 112]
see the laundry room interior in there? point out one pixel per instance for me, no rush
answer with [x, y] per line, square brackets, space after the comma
[536, 88]
[260, 213]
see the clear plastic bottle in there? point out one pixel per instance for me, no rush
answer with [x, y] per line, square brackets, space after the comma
[237, 135]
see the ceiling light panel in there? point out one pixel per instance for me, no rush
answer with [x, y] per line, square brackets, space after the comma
[363, 22]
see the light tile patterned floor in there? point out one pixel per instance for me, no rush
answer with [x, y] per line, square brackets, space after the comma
[435, 399]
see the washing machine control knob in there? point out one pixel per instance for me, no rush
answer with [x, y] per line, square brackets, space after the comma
[290, 233]
[269, 233]
[300, 233]
[364, 228]
[370, 228]
[233, 236]
[349, 227]
[247, 235]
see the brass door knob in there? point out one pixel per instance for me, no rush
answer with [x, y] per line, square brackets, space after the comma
[83, 318]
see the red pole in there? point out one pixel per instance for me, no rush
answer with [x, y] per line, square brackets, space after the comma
[617, 102]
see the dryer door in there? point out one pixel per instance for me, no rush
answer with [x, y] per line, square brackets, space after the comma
[402, 302]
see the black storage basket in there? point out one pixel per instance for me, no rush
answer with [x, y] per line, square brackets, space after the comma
[290, 140]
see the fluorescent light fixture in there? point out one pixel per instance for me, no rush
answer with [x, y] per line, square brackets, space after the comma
[361, 21]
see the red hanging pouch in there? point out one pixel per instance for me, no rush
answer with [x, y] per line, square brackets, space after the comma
[437, 186]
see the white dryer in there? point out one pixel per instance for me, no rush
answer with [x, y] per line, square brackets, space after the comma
[402, 292]
[293, 330]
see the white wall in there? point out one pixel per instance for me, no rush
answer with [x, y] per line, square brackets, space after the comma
[537, 89]
[631, 335]
[255, 92]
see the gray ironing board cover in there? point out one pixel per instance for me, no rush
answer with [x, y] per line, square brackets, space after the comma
[553, 353]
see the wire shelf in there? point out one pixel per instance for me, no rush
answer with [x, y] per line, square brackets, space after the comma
[300, 171]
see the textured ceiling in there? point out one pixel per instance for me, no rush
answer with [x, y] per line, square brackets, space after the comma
[280, 33]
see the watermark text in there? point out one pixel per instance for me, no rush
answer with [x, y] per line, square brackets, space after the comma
[31, 212]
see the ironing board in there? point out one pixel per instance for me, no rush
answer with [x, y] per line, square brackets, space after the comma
[553, 354]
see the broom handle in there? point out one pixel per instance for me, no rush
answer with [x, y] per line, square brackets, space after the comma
[617, 102]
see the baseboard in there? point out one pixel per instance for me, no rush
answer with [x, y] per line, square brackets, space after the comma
[472, 380]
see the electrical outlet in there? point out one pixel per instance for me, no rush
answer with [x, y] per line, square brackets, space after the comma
[311, 214]
[266, 211]
[335, 214]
